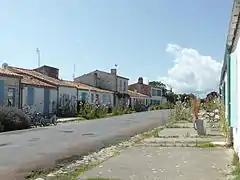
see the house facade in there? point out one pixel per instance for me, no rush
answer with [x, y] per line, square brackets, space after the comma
[107, 81]
[66, 92]
[230, 77]
[9, 88]
[45, 93]
[138, 98]
[38, 95]
[155, 93]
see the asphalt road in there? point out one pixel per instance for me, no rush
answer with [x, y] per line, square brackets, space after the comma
[23, 151]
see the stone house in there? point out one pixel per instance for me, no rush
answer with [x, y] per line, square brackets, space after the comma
[9, 88]
[108, 81]
[155, 93]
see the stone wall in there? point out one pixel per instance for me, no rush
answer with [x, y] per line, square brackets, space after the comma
[14, 83]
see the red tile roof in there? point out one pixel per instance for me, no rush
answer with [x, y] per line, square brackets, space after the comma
[55, 82]
[33, 81]
[41, 77]
[87, 87]
[6, 72]
[136, 94]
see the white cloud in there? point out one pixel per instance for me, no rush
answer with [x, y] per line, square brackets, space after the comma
[192, 72]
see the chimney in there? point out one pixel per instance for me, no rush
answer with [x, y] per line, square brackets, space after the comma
[140, 80]
[114, 71]
[48, 71]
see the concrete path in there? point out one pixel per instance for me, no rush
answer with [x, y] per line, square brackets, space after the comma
[22, 151]
[167, 157]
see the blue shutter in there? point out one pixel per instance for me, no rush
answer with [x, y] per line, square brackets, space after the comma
[233, 91]
[84, 96]
[1, 92]
[46, 100]
[30, 96]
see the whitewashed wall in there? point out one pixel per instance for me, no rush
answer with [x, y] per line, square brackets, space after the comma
[103, 97]
[106, 98]
[53, 100]
[38, 98]
[236, 133]
[69, 93]
[38, 105]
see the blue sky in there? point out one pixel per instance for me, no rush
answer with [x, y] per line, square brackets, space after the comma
[96, 34]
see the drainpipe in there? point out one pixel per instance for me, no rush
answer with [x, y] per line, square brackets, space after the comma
[115, 102]
[20, 94]
[229, 97]
[57, 108]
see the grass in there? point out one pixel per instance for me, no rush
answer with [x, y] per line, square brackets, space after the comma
[176, 126]
[206, 145]
[236, 167]
[101, 179]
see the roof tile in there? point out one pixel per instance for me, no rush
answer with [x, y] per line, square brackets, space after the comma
[6, 72]
[136, 94]
[33, 81]
[55, 82]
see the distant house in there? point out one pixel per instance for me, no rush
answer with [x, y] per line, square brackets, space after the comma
[137, 98]
[108, 81]
[155, 93]
[9, 88]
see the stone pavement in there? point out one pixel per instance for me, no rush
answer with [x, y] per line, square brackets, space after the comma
[175, 154]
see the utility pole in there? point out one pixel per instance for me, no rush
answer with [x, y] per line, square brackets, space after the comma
[38, 54]
[74, 68]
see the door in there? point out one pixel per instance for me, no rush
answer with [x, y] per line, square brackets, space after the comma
[84, 96]
[30, 96]
[46, 100]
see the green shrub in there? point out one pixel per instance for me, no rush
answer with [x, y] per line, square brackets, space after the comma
[13, 119]
[161, 106]
[138, 107]
[127, 110]
[101, 112]
[117, 111]
[210, 106]
[181, 113]
[88, 111]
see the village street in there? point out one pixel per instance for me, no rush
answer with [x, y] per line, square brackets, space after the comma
[21, 151]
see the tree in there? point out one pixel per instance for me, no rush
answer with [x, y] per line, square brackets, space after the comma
[159, 84]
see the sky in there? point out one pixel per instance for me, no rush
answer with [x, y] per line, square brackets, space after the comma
[179, 42]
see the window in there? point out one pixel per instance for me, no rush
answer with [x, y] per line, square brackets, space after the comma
[124, 86]
[11, 97]
[159, 92]
[120, 86]
[105, 99]
[92, 98]
[84, 96]
[97, 99]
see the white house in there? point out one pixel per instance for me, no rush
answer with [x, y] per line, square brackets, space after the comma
[38, 95]
[230, 77]
[42, 89]
[65, 94]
